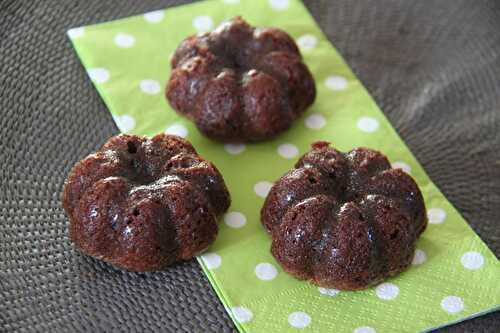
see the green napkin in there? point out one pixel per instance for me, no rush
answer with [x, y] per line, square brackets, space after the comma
[454, 275]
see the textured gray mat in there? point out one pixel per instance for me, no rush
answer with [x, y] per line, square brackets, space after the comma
[433, 67]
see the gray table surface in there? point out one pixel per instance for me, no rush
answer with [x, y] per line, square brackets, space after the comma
[432, 66]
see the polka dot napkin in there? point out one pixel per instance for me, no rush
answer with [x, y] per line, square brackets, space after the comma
[453, 276]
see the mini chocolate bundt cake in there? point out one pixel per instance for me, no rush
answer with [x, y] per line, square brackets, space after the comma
[143, 204]
[240, 83]
[344, 220]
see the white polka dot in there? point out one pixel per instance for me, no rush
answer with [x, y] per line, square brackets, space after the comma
[234, 148]
[262, 188]
[436, 215]
[203, 23]
[76, 32]
[368, 124]
[299, 319]
[279, 4]
[155, 16]
[177, 129]
[150, 87]
[402, 165]
[232, 2]
[242, 314]
[328, 292]
[315, 121]
[124, 40]
[419, 258]
[307, 42]
[98, 75]
[365, 329]
[287, 150]
[235, 220]
[452, 304]
[472, 260]
[266, 271]
[387, 291]
[125, 123]
[336, 82]
[211, 260]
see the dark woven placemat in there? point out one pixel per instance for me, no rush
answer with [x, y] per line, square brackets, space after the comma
[433, 67]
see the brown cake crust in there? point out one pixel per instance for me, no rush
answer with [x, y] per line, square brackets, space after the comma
[344, 220]
[240, 83]
[143, 204]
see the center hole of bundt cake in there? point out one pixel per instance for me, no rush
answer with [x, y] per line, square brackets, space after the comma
[141, 171]
[236, 59]
[238, 67]
[131, 147]
[141, 174]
